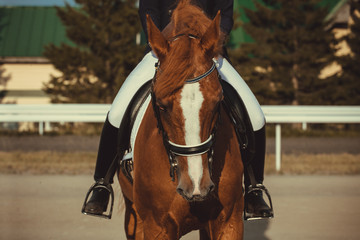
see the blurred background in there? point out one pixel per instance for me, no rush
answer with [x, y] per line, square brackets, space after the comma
[290, 53]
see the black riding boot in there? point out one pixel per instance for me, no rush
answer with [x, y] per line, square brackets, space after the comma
[102, 190]
[255, 206]
[114, 142]
[252, 147]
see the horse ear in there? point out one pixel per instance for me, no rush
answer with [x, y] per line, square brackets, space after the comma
[156, 40]
[211, 39]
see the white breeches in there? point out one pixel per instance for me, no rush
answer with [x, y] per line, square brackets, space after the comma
[230, 75]
[145, 71]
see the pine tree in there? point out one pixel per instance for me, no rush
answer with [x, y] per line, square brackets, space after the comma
[250, 58]
[347, 82]
[103, 54]
[291, 46]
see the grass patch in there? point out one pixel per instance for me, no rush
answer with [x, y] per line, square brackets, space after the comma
[52, 162]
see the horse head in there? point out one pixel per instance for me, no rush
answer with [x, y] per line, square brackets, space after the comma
[187, 95]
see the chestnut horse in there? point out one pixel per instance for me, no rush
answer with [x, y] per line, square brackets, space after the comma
[185, 131]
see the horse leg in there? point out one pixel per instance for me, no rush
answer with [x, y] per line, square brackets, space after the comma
[229, 231]
[155, 232]
[133, 224]
[225, 231]
[204, 235]
[232, 229]
[165, 229]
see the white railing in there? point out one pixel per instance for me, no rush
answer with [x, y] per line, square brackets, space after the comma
[304, 115]
[47, 113]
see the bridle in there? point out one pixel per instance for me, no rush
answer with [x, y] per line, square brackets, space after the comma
[174, 149]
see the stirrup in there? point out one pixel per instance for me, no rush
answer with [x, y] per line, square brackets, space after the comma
[107, 187]
[259, 187]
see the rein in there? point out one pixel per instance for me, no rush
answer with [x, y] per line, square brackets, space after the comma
[174, 149]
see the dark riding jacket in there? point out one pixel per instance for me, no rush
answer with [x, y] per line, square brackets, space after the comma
[160, 11]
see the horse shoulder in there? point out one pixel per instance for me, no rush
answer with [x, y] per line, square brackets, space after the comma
[227, 156]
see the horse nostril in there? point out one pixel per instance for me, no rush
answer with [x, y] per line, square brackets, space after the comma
[211, 188]
[180, 191]
[184, 194]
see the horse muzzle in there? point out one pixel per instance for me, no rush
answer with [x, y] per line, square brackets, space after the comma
[198, 195]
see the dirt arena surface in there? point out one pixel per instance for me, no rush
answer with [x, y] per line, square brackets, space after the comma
[90, 143]
[47, 207]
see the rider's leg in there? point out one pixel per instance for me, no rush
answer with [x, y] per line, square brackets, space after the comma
[254, 201]
[143, 72]
[106, 153]
[112, 129]
[230, 75]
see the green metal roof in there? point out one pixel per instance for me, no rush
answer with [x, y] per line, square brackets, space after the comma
[24, 31]
[239, 35]
[331, 4]
[334, 6]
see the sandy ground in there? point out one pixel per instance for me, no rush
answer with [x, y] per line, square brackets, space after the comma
[46, 207]
[90, 144]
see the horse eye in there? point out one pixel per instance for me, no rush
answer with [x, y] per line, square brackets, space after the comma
[161, 107]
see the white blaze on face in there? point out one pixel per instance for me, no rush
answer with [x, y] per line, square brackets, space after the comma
[191, 102]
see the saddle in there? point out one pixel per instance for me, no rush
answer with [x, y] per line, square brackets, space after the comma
[126, 127]
[235, 108]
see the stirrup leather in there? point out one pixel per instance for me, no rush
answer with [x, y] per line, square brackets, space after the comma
[259, 187]
[107, 187]
[126, 166]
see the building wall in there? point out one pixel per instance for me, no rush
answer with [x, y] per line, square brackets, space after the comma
[26, 82]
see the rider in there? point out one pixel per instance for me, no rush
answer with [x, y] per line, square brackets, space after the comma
[160, 11]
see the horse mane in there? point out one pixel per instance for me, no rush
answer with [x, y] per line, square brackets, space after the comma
[183, 58]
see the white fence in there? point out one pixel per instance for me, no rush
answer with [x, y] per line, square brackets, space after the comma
[97, 113]
[46, 113]
[307, 114]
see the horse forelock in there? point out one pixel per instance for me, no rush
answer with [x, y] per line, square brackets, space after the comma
[183, 57]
